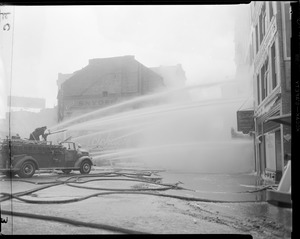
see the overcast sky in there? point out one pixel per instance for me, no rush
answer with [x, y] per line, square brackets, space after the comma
[52, 40]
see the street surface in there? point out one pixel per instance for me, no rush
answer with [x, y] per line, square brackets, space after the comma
[124, 212]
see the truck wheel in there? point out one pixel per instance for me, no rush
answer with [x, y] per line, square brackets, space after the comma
[85, 167]
[27, 170]
[66, 171]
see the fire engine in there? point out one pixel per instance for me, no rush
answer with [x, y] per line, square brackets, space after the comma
[23, 157]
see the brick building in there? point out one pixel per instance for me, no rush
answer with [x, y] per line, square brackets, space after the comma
[268, 58]
[103, 82]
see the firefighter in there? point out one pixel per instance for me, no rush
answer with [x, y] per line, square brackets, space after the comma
[35, 135]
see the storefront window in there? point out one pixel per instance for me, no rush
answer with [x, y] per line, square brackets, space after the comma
[270, 151]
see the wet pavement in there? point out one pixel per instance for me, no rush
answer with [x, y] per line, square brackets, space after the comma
[246, 213]
[236, 187]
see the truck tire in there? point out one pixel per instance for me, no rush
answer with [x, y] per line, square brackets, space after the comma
[85, 167]
[27, 169]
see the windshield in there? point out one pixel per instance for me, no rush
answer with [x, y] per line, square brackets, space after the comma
[68, 145]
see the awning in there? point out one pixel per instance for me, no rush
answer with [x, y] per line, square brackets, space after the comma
[281, 119]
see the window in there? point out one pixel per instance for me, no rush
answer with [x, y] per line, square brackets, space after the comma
[260, 28]
[287, 29]
[258, 90]
[266, 23]
[256, 35]
[271, 13]
[69, 146]
[262, 23]
[262, 82]
[273, 65]
[266, 78]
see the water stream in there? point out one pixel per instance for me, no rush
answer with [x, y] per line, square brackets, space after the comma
[173, 130]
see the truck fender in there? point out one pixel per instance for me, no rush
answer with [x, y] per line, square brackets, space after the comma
[19, 162]
[81, 159]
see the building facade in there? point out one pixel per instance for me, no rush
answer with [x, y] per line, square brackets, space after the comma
[262, 57]
[269, 52]
[104, 82]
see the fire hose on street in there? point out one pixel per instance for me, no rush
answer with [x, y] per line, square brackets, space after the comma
[73, 181]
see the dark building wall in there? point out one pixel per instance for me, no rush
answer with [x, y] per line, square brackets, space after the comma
[111, 75]
[104, 82]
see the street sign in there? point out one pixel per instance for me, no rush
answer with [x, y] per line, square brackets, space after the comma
[245, 121]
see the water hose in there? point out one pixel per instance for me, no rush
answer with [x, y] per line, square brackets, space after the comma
[73, 222]
[59, 182]
[121, 192]
[259, 190]
[8, 196]
[165, 186]
[70, 181]
[66, 182]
